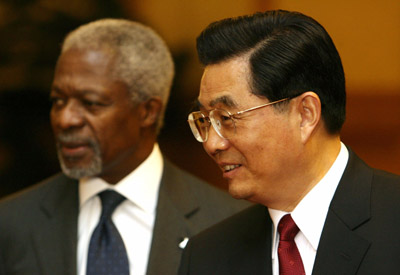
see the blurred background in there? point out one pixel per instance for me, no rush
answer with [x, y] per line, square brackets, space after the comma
[366, 33]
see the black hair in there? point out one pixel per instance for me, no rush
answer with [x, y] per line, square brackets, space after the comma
[289, 53]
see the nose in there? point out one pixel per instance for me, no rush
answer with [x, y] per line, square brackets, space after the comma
[215, 143]
[67, 116]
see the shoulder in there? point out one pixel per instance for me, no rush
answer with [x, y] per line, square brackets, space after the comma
[25, 201]
[383, 177]
[381, 181]
[359, 174]
[385, 190]
[365, 193]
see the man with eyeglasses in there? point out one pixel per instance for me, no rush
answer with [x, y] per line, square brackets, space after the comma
[272, 103]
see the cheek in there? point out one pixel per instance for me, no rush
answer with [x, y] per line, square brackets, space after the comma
[104, 130]
[100, 136]
[118, 134]
[53, 119]
[205, 149]
[267, 148]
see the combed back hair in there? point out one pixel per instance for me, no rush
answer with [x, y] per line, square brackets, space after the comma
[289, 53]
[142, 59]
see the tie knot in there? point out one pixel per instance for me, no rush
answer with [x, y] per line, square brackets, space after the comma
[109, 201]
[287, 228]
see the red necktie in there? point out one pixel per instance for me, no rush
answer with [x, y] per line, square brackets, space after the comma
[290, 262]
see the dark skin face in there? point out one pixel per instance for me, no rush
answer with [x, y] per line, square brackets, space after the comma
[94, 109]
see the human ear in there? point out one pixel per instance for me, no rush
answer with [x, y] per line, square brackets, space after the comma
[309, 107]
[150, 111]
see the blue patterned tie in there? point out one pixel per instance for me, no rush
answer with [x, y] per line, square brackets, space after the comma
[107, 254]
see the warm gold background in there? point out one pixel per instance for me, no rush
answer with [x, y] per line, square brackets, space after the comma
[366, 33]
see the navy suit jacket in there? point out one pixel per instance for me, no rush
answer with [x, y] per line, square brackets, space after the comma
[38, 227]
[361, 234]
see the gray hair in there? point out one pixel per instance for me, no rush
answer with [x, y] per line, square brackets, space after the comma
[142, 59]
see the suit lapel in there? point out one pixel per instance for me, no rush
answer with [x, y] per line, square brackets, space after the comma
[55, 237]
[341, 250]
[172, 223]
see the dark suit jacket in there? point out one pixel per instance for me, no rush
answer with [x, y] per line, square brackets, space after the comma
[361, 234]
[38, 227]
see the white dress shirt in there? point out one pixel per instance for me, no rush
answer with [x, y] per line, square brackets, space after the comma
[134, 217]
[310, 215]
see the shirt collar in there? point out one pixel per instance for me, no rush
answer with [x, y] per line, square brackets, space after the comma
[309, 218]
[140, 186]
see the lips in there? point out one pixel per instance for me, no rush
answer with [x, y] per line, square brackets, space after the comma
[230, 167]
[74, 149]
[229, 170]
[73, 146]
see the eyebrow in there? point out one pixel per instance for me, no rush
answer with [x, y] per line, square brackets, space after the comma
[225, 100]
[55, 89]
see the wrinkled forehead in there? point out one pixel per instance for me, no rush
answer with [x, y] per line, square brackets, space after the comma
[225, 84]
[224, 100]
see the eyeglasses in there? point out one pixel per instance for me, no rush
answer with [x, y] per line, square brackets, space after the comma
[222, 121]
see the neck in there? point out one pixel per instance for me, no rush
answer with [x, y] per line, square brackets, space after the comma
[317, 158]
[129, 160]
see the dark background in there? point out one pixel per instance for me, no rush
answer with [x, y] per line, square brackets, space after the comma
[32, 31]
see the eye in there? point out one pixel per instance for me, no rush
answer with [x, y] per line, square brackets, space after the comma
[57, 101]
[224, 118]
[91, 103]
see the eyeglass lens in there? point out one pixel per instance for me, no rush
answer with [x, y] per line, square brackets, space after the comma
[199, 125]
[220, 120]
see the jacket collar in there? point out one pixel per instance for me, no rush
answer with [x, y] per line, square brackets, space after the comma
[173, 226]
[55, 237]
[340, 249]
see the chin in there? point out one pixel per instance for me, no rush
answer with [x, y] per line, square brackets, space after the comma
[78, 170]
[240, 191]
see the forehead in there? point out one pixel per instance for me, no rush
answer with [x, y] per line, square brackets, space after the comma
[84, 70]
[225, 83]
[84, 61]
